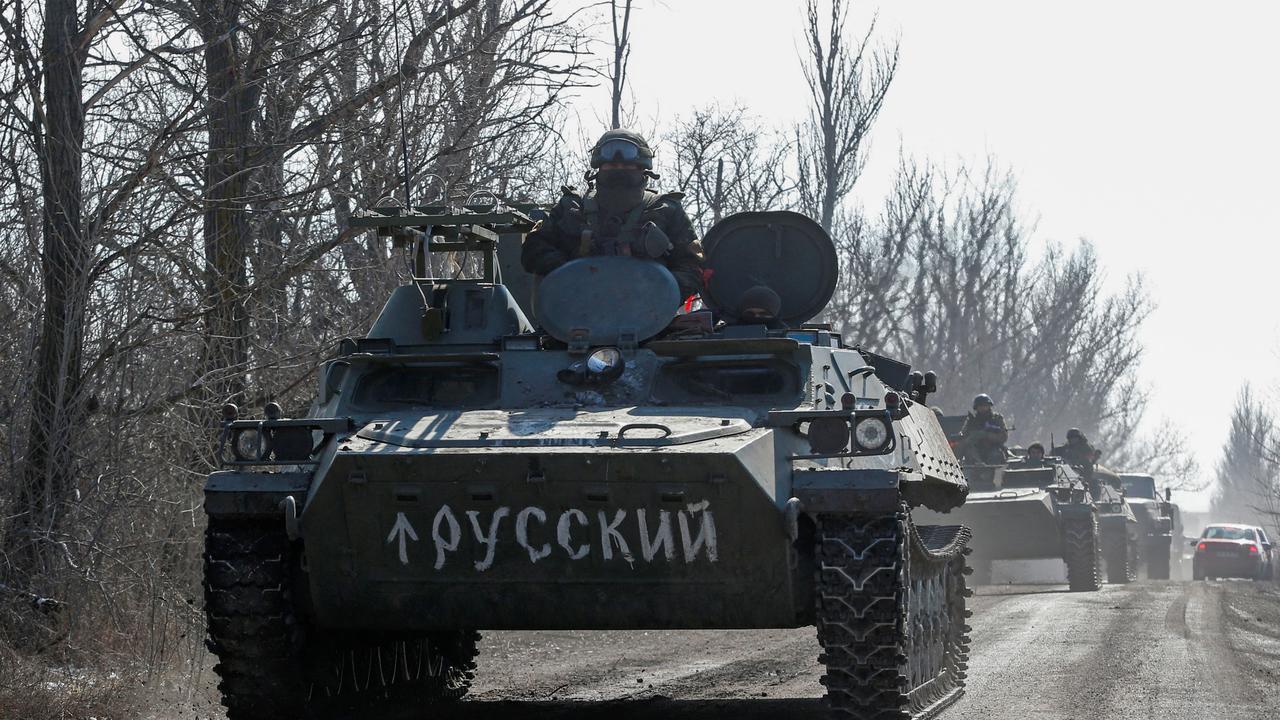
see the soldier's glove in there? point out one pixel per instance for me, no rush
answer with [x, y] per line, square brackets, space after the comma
[651, 242]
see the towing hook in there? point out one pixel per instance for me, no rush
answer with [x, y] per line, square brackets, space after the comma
[791, 514]
[292, 525]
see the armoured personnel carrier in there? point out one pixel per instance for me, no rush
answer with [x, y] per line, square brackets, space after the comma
[1033, 510]
[1028, 510]
[461, 470]
[1159, 523]
[1121, 531]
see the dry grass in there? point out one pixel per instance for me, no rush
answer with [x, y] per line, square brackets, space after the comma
[31, 690]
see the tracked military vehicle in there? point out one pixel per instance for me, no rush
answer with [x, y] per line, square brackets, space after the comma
[1157, 518]
[1033, 510]
[1029, 510]
[617, 468]
[1122, 541]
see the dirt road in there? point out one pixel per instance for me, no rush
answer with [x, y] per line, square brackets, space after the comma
[1157, 650]
[1149, 650]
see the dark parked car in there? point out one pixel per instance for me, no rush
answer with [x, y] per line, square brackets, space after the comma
[1228, 550]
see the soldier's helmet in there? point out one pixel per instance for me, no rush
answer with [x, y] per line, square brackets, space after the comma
[759, 303]
[624, 146]
[1074, 434]
[983, 399]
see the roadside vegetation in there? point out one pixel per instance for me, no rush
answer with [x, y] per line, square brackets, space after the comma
[1247, 487]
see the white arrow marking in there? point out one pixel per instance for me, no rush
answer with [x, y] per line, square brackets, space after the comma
[402, 528]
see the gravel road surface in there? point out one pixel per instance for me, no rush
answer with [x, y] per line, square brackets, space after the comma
[1149, 650]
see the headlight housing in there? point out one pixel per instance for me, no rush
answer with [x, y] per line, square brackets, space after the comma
[833, 433]
[246, 445]
[602, 366]
[828, 435]
[871, 433]
[606, 363]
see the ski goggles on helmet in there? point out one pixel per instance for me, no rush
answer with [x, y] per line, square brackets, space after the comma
[618, 150]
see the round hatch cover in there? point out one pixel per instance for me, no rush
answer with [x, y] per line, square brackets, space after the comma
[606, 300]
[785, 251]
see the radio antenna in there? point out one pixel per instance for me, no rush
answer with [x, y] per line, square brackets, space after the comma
[404, 134]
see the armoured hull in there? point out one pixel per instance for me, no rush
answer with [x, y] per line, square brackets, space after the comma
[1013, 524]
[547, 537]
[1033, 511]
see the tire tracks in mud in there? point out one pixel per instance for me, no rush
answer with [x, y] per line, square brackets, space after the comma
[1156, 649]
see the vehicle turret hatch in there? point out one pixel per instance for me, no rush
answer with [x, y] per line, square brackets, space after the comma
[783, 251]
[606, 300]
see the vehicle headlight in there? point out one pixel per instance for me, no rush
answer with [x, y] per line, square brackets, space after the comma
[828, 435]
[247, 445]
[605, 364]
[871, 433]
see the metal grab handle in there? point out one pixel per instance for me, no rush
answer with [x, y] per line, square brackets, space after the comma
[666, 431]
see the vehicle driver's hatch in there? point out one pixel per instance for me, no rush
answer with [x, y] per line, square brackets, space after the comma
[606, 300]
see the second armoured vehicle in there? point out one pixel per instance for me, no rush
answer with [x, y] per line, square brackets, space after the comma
[1032, 511]
[1043, 509]
[1160, 523]
[461, 470]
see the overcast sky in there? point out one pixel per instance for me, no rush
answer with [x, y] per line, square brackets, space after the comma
[1150, 128]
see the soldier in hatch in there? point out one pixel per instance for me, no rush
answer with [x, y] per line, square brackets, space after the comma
[1077, 451]
[1035, 455]
[618, 215]
[984, 434]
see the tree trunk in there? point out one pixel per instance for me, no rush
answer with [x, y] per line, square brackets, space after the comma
[226, 237]
[55, 404]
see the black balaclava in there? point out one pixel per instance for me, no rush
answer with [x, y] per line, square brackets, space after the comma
[618, 190]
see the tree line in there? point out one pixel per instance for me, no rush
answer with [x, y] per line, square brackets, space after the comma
[178, 178]
[178, 181]
[1247, 474]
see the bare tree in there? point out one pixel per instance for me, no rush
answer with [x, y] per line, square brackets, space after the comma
[186, 237]
[944, 277]
[1164, 453]
[621, 56]
[56, 400]
[725, 163]
[847, 87]
[1248, 473]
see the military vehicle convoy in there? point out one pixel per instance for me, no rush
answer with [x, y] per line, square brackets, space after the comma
[462, 470]
[1042, 509]
[1160, 523]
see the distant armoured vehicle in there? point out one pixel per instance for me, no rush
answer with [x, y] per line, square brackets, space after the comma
[461, 470]
[1160, 523]
[1122, 540]
[1035, 510]
[1022, 511]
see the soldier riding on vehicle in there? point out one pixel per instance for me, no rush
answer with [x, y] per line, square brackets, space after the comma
[1077, 451]
[983, 435]
[618, 215]
[1034, 457]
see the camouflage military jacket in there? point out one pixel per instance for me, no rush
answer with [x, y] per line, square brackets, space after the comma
[1080, 454]
[559, 238]
[990, 430]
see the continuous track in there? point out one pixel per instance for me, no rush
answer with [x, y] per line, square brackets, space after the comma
[271, 668]
[891, 616]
